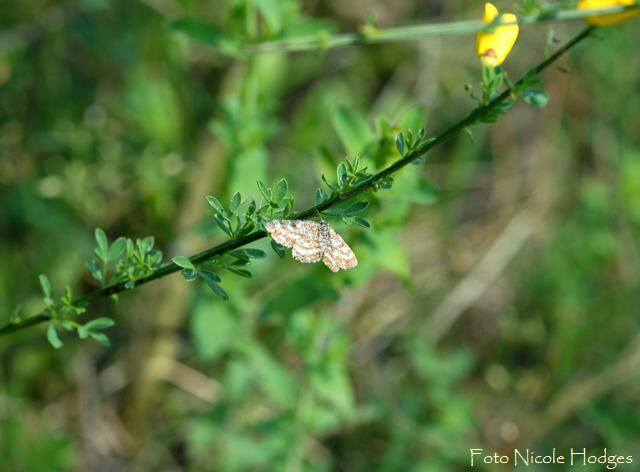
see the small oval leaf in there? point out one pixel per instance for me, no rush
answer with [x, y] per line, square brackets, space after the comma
[183, 262]
[361, 222]
[45, 284]
[400, 143]
[278, 249]
[52, 336]
[281, 190]
[215, 204]
[236, 198]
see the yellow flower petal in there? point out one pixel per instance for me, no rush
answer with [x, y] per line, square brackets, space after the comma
[604, 20]
[493, 48]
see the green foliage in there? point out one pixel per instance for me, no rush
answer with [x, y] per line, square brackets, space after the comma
[62, 316]
[130, 261]
[94, 329]
[413, 145]
[241, 218]
[125, 125]
[535, 97]
[139, 260]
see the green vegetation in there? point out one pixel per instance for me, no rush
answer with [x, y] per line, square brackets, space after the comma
[495, 304]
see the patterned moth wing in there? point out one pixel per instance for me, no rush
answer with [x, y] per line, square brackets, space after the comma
[300, 235]
[312, 241]
[338, 254]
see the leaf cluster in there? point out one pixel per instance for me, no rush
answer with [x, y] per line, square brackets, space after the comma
[408, 144]
[238, 219]
[127, 260]
[62, 313]
[233, 261]
[493, 79]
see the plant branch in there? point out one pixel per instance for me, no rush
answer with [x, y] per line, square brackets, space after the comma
[170, 267]
[406, 33]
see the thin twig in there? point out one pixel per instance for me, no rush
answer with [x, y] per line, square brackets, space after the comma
[367, 184]
[412, 32]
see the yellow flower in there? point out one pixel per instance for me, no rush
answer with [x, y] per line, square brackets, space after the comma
[494, 47]
[604, 20]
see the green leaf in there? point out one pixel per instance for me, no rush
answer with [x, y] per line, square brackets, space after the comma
[67, 297]
[423, 145]
[52, 336]
[183, 262]
[101, 338]
[320, 196]
[247, 253]
[236, 198]
[386, 183]
[278, 249]
[45, 284]
[535, 97]
[146, 244]
[250, 205]
[361, 222]
[286, 208]
[46, 289]
[240, 272]
[215, 204]
[209, 275]
[117, 248]
[551, 40]
[224, 225]
[266, 192]
[330, 185]
[95, 270]
[17, 314]
[207, 33]
[83, 333]
[400, 143]
[99, 324]
[218, 290]
[357, 207]
[189, 275]
[353, 130]
[254, 253]
[281, 190]
[102, 251]
[341, 171]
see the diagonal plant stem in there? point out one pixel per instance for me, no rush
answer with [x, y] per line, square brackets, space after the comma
[170, 267]
[407, 33]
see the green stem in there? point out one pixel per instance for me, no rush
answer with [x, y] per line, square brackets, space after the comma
[208, 254]
[406, 33]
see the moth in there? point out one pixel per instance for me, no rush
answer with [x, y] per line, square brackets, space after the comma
[312, 241]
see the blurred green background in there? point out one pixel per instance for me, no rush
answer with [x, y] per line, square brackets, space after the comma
[502, 315]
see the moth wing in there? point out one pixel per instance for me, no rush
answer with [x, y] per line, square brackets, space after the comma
[285, 232]
[338, 254]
